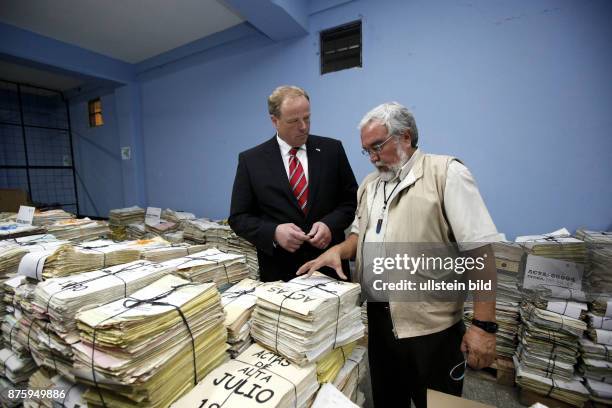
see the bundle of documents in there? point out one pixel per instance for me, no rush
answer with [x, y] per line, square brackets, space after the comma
[330, 365]
[551, 320]
[507, 317]
[242, 246]
[7, 216]
[601, 392]
[211, 265]
[65, 393]
[171, 252]
[61, 298]
[203, 231]
[174, 237]
[350, 375]
[599, 247]
[238, 303]
[256, 378]
[48, 349]
[5, 387]
[576, 310]
[589, 349]
[15, 230]
[41, 379]
[135, 231]
[305, 318]
[126, 216]
[177, 216]
[152, 347]
[571, 392]
[15, 368]
[602, 307]
[70, 259]
[557, 244]
[79, 229]
[162, 228]
[599, 370]
[10, 255]
[43, 218]
[600, 336]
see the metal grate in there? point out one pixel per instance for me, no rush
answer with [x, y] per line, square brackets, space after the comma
[36, 153]
[341, 47]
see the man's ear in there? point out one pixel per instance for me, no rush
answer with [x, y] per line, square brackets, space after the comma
[274, 120]
[407, 137]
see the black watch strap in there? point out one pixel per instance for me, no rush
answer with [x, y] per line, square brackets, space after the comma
[489, 327]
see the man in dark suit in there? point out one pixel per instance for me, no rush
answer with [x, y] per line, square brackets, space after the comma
[295, 194]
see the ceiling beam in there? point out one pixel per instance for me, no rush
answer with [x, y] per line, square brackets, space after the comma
[22, 45]
[277, 19]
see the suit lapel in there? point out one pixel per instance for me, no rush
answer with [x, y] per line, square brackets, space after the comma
[314, 170]
[277, 170]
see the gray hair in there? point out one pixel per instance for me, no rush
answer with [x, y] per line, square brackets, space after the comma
[396, 118]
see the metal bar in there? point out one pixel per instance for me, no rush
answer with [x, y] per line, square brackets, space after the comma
[25, 142]
[4, 166]
[76, 195]
[30, 85]
[35, 126]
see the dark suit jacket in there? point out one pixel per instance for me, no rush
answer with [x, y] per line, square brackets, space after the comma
[262, 199]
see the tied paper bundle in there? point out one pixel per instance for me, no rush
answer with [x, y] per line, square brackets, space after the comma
[599, 247]
[594, 351]
[151, 347]
[601, 392]
[136, 231]
[329, 366]
[45, 218]
[79, 230]
[571, 392]
[598, 370]
[125, 216]
[70, 259]
[163, 227]
[602, 307]
[211, 265]
[204, 231]
[5, 387]
[257, 378]
[551, 320]
[177, 216]
[576, 310]
[242, 246]
[171, 252]
[351, 373]
[10, 255]
[61, 298]
[507, 317]
[59, 392]
[305, 318]
[238, 303]
[14, 368]
[558, 245]
[174, 237]
[600, 336]
[15, 230]
[330, 396]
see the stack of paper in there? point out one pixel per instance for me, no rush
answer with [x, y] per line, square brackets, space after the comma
[242, 246]
[171, 252]
[7, 216]
[79, 230]
[211, 265]
[41, 379]
[599, 248]
[350, 375]
[126, 216]
[599, 370]
[174, 237]
[50, 217]
[8, 388]
[14, 368]
[571, 392]
[177, 216]
[152, 347]
[601, 392]
[70, 259]
[256, 378]
[330, 365]
[10, 255]
[61, 298]
[558, 245]
[162, 228]
[330, 396]
[305, 318]
[238, 303]
[204, 231]
[15, 230]
[135, 231]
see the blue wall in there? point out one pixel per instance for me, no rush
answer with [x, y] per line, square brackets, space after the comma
[521, 91]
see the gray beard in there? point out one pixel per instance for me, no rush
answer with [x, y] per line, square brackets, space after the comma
[395, 169]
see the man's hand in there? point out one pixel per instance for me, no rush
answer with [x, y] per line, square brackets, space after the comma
[330, 258]
[320, 234]
[290, 237]
[480, 347]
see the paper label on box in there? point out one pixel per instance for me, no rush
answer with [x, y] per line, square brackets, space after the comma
[25, 215]
[153, 216]
[541, 271]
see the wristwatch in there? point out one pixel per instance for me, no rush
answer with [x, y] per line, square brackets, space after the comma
[489, 327]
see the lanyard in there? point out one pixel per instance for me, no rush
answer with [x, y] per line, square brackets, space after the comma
[385, 201]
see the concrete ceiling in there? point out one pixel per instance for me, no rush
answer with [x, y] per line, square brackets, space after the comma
[128, 30]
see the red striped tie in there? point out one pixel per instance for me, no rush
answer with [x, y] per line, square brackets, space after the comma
[297, 180]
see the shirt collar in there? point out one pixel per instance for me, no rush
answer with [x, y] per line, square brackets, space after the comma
[285, 147]
[405, 169]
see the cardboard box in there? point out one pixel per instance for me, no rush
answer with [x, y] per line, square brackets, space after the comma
[437, 399]
[11, 199]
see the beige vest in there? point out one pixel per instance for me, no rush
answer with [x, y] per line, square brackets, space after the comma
[416, 214]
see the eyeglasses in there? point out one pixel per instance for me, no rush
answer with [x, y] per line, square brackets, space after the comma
[376, 148]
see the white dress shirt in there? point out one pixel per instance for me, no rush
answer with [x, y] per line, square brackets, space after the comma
[301, 155]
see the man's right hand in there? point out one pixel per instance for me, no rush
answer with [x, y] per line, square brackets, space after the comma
[331, 257]
[290, 237]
